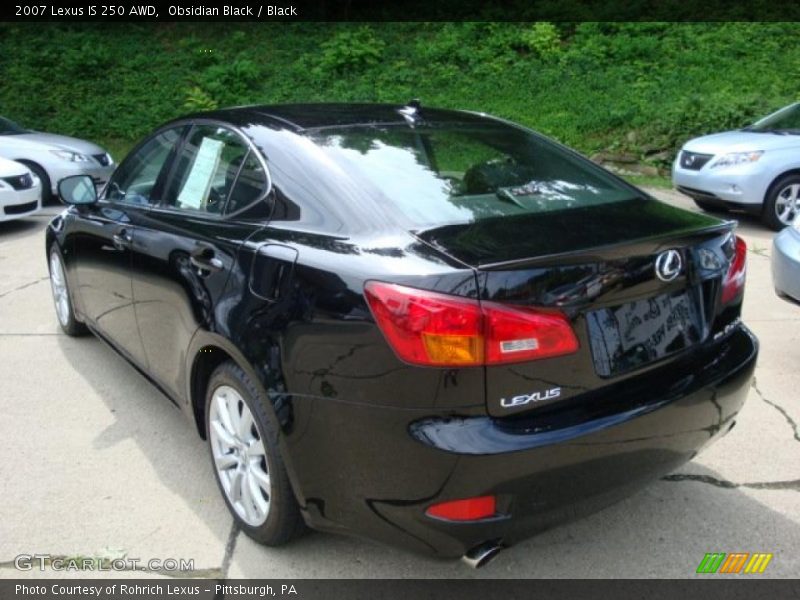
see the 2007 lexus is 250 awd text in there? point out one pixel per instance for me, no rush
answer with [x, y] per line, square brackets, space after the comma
[433, 328]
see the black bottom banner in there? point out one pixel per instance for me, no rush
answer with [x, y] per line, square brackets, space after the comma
[391, 589]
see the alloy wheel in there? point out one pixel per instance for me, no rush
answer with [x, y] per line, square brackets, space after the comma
[787, 203]
[239, 456]
[58, 283]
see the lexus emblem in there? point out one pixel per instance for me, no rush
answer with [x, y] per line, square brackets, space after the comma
[668, 265]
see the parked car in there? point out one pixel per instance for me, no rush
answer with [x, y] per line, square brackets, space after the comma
[756, 169]
[364, 310]
[786, 262]
[52, 157]
[20, 191]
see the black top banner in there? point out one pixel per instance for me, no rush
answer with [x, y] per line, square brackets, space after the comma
[410, 10]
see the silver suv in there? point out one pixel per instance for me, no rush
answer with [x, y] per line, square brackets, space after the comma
[756, 169]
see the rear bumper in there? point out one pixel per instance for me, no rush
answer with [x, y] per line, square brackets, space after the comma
[382, 468]
[786, 263]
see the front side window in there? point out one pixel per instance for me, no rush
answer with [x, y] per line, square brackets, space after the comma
[786, 120]
[8, 127]
[454, 173]
[135, 180]
[207, 169]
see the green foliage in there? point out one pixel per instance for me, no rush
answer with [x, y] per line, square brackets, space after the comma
[543, 39]
[350, 51]
[229, 82]
[197, 100]
[638, 88]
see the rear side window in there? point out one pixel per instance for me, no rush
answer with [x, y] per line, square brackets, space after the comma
[250, 185]
[438, 175]
[207, 169]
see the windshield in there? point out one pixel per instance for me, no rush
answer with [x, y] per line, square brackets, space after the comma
[436, 175]
[9, 127]
[786, 120]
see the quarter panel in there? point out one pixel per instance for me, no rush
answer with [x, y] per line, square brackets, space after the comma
[319, 338]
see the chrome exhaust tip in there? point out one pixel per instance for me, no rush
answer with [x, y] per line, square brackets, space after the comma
[481, 554]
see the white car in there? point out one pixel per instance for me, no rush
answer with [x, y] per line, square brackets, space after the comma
[20, 191]
[756, 169]
[53, 157]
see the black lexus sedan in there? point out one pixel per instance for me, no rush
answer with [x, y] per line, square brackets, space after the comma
[428, 327]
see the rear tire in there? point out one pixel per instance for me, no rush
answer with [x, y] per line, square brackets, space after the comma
[61, 295]
[247, 462]
[782, 203]
[709, 206]
[44, 178]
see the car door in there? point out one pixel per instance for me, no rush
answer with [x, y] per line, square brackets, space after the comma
[186, 247]
[105, 237]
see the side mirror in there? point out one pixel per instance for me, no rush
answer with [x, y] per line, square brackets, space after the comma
[77, 190]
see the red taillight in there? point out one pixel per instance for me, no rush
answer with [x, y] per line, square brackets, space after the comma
[733, 284]
[469, 509]
[428, 328]
[517, 334]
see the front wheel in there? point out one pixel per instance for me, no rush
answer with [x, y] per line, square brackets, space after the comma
[44, 179]
[783, 203]
[61, 298]
[246, 459]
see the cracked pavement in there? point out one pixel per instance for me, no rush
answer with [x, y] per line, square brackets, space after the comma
[100, 465]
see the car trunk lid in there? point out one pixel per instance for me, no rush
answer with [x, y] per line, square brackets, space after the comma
[597, 266]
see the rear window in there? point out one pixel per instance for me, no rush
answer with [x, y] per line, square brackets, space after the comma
[460, 174]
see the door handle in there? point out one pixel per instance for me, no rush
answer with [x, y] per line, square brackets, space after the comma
[205, 260]
[122, 240]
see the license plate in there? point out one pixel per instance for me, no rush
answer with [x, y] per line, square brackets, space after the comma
[637, 333]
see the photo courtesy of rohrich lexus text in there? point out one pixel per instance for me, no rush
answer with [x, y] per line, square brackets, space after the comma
[330, 295]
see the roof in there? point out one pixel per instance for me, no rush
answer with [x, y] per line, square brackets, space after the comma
[300, 117]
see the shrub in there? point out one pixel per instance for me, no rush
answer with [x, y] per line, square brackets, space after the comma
[350, 51]
[230, 82]
[197, 100]
[543, 40]
[587, 84]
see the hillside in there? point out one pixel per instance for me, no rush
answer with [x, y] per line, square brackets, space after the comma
[626, 88]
